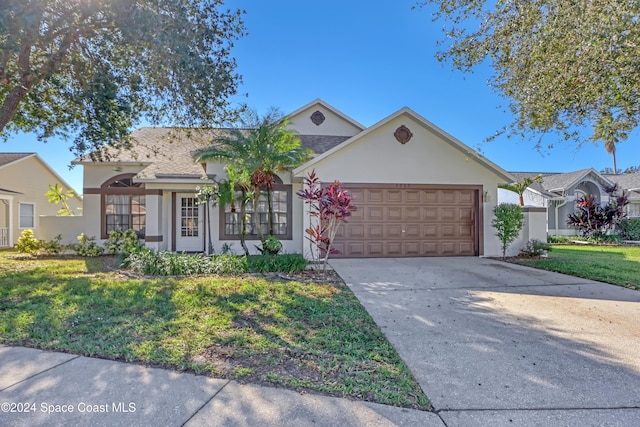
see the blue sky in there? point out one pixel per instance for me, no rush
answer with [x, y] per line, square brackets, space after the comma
[368, 59]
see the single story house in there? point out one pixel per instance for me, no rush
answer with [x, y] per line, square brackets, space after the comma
[419, 191]
[558, 192]
[24, 180]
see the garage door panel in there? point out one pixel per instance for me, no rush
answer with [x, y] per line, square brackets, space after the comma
[356, 249]
[412, 249]
[429, 213]
[465, 231]
[393, 196]
[393, 249]
[448, 197]
[374, 232]
[357, 231]
[412, 231]
[430, 231]
[411, 220]
[413, 196]
[429, 197]
[393, 231]
[430, 248]
[412, 213]
[374, 196]
[374, 213]
[465, 196]
[447, 231]
[447, 214]
[448, 248]
[394, 213]
[375, 249]
[465, 214]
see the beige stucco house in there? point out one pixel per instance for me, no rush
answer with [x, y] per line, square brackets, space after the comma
[419, 191]
[24, 180]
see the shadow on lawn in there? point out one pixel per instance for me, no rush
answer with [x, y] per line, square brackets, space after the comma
[85, 315]
[606, 266]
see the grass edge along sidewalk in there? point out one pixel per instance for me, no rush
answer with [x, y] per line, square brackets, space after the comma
[303, 336]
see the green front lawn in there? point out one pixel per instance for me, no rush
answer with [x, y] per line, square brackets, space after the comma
[619, 265]
[310, 336]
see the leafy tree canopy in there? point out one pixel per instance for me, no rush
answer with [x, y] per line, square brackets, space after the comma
[565, 65]
[92, 69]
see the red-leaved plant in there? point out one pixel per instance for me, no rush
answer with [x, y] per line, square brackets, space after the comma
[332, 206]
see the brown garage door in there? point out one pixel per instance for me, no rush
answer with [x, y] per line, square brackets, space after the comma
[410, 221]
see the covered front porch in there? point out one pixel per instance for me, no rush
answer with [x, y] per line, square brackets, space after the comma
[6, 218]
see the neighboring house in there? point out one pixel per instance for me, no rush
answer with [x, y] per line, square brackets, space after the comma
[558, 192]
[24, 180]
[419, 191]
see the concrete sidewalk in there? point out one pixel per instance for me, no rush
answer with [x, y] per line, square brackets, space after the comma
[497, 344]
[59, 389]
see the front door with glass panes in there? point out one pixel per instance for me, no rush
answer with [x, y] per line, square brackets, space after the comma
[189, 224]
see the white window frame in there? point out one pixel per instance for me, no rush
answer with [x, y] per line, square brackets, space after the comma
[33, 218]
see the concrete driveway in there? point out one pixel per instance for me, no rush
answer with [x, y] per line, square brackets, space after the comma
[493, 343]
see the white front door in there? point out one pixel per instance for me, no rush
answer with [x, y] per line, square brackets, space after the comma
[189, 224]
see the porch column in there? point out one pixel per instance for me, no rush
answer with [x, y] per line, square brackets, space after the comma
[11, 226]
[154, 234]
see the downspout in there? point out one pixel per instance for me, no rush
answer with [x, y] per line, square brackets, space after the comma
[557, 208]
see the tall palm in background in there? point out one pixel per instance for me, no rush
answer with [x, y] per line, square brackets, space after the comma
[255, 152]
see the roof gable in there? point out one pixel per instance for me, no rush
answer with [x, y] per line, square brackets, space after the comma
[9, 158]
[407, 112]
[319, 118]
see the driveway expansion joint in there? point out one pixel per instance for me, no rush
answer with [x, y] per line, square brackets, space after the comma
[41, 372]
[206, 403]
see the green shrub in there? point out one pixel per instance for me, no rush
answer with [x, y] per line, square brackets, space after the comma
[535, 248]
[271, 246]
[146, 261]
[122, 242]
[288, 263]
[87, 246]
[629, 229]
[607, 239]
[559, 239]
[508, 220]
[52, 247]
[27, 243]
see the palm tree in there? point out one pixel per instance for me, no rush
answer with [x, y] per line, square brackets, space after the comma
[520, 187]
[256, 152]
[610, 146]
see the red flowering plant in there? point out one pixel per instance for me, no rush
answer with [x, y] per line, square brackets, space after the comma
[331, 205]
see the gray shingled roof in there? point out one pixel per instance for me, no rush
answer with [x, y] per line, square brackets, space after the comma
[627, 181]
[552, 180]
[165, 151]
[168, 151]
[321, 143]
[6, 158]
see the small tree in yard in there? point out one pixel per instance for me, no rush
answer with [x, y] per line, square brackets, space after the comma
[332, 206]
[593, 220]
[208, 196]
[508, 220]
